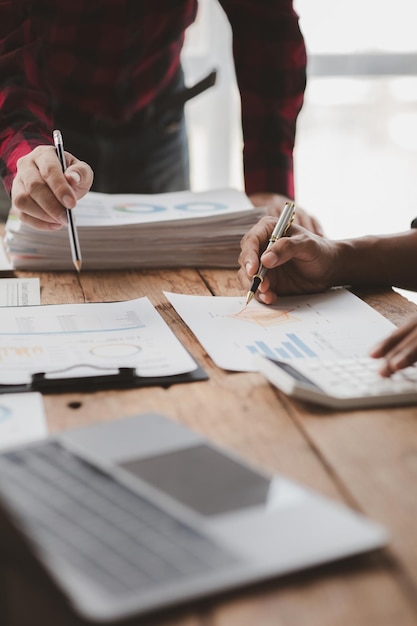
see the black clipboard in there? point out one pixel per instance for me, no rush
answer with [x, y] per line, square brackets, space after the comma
[125, 378]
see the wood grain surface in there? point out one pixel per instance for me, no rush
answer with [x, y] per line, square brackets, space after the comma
[367, 459]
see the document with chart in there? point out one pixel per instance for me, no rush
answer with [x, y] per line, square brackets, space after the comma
[93, 338]
[330, 325]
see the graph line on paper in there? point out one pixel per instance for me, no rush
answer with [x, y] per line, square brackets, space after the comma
[265, 317]
[18, 352]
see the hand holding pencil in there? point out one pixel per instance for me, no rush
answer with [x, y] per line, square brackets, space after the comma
[72, 230]
[41, 193]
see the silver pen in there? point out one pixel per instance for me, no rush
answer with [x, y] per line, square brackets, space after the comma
[72, 230]
[284, 222]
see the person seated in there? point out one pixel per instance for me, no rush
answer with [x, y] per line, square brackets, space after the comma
[303, 262]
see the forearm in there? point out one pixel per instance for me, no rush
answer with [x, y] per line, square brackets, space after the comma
[387, 260]
[270, 61]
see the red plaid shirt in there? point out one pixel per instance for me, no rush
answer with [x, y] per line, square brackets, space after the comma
[113, 57]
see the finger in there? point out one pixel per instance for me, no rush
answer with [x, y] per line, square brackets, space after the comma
[402, 353]
[39, 224]
[253, 243]
[73, 177]
[265, 293]
[308, 221]
[51, 172]
[402, 358]
[43, 182]
[385, 370]
[285, 249]
[271, 204]
[394, 362]
[394, 338]
[244, 279]
[249, 260]
[79, 175]
[267, 297]
[24, 201]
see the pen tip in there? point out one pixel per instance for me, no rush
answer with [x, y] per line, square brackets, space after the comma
[249, 296]
[77, 264]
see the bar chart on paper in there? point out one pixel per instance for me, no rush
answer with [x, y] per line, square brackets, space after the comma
[332, 325]
[291, 347]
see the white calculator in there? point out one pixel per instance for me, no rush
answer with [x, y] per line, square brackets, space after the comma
[342, 383]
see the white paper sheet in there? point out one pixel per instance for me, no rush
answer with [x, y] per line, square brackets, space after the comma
[5, 264]
[103, 336]
[19, 291]
[329, 325]
[22, 419]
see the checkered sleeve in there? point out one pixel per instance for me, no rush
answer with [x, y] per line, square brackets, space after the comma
[24, 121]
[270, 61]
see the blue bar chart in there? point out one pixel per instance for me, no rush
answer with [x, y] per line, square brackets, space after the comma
[292, 347]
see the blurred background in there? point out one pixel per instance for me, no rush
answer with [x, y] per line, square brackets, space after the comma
[356, 146]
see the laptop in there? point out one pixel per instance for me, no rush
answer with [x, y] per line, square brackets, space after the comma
[142, 513]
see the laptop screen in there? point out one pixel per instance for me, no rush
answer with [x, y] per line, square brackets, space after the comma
[203, 479]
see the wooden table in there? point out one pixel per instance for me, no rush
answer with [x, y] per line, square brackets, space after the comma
[365, 458]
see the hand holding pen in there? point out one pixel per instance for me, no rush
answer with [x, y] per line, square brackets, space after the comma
[284, 222]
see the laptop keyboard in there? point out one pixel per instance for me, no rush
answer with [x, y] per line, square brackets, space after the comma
[120, 540]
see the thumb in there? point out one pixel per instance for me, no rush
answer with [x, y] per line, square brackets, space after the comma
[80, 178]
[73, 177]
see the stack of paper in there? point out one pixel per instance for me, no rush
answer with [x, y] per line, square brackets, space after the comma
[198, 229]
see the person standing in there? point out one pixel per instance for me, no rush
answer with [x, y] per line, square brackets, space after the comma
[108, 74]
